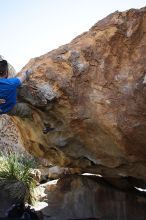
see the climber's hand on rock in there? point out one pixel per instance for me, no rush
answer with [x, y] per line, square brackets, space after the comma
[24, 75]
[28, 73]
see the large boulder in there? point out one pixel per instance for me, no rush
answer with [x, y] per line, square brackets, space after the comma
[92, 91]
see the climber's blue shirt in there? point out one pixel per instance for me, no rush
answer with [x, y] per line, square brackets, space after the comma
[8, 91]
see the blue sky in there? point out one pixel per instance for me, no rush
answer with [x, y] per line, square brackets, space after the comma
[30, 28]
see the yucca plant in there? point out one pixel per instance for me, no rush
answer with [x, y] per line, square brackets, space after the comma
[15, 176]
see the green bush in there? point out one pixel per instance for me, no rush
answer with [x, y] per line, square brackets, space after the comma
[15, 176]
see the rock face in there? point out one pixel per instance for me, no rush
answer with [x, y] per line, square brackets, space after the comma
[93, 92]
[10, 137]
[79, 197]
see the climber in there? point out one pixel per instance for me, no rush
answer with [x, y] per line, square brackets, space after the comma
[8, 92]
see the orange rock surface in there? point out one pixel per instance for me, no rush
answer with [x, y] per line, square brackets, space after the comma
[93, 92]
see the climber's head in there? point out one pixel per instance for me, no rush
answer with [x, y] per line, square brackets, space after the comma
[3, 69]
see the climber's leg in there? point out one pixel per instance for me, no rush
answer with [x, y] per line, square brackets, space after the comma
[21, 110]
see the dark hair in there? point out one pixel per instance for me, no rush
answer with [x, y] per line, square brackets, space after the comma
[3, 67]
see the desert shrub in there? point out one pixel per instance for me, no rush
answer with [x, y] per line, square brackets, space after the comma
[15, 176]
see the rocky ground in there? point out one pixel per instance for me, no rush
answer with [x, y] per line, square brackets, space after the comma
[83, 197]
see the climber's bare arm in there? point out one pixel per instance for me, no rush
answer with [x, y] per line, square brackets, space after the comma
[24, 75]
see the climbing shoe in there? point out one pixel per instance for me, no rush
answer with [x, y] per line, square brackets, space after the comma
[48, 129]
